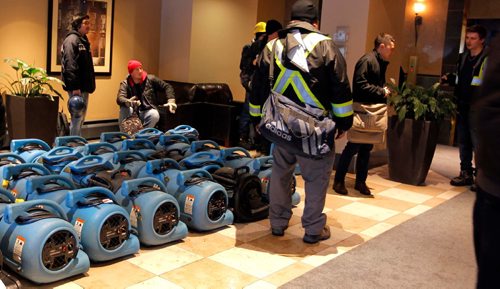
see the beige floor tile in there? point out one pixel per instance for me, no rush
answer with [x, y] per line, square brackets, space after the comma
[164, 260]
[460, 189]
[69, 285]
[335, 201]
[208, 273]
[260, 285]
[252, 260]
[337, 234]
[113, 275]
[428, 190]
[289, 245]
[289, 273]
[202, 244]
[349, 222]
[417, 210]
[434, 202]
[405, 195]
[368, 211]
[449, 194]
[324, 256]
[156, 282]
[293, 221]
[377, 229]
[245, 232]
[399, 219]
[381, 179]
[388, 203]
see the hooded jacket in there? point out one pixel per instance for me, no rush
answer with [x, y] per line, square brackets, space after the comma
[76, 63]
[326, 76]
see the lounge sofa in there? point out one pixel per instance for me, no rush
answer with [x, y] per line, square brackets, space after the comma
[208, 107]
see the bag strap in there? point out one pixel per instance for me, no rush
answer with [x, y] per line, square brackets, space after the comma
[271, 65]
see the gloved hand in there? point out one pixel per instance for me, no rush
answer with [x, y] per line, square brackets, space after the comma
[171, 105]
[133, 102]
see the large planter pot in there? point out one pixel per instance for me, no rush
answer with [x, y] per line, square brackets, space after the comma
[34, 117]
[411, 145]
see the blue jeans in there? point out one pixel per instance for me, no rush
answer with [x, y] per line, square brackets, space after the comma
[465, 139]
[75, 126]
[363, 151]
[149, 118]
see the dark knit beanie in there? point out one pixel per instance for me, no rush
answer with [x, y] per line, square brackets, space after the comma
[273, 26]
[304, 10]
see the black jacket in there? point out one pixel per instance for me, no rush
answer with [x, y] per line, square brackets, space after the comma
[248, 54]
[369, 79]
[487, 119]
[76, 63]
[327, 80]
[465, 93]
[154, 90]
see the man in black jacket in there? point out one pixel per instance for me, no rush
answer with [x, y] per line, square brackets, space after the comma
[487, 207]
[308, 68]
[468, 79]
[77, 71]
[145, 94]
[368, 88]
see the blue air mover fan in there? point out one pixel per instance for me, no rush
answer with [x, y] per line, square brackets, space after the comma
[114, 138]
[81, 171]
[29, 149]
[102, 225]
[172, 146]
[51, 187]
[154, 213]
[132, 161]
[150, 133]
[203, 202]
[146, 147]
[102, 149]
[73, 141]
[185, 130]
[39, 243]
[164, 170]
[236, 157]
[9, 159]
[58, 157]
[14, 177]
[209, 161]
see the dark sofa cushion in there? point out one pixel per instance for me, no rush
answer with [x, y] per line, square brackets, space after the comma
[213, 93]
[184, 91]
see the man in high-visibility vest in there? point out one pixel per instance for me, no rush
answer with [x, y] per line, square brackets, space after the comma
[308, 68]
[468, 78]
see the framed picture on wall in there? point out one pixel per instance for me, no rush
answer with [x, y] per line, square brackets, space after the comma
[100, 35]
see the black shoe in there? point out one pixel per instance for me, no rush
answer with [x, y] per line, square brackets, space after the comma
[339, 188]
[363, 189]
[464, 179]
[279, 231]
[473, 187]
[313, 239]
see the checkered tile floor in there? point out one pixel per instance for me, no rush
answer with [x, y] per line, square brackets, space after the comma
[248, 256]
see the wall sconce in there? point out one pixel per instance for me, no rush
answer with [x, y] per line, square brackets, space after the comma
[418, 7]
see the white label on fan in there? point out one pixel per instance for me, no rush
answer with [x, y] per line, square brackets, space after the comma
[18, 248]
[79, 226]
[188, 205]
[134, 215]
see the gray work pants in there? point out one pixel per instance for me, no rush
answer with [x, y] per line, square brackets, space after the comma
[316, 175]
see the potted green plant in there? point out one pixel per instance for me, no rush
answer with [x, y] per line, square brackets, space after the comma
[412, 132]
[31, 101]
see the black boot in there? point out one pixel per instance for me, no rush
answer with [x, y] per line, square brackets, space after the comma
[363, 189]
[339, 187]
[464, 179]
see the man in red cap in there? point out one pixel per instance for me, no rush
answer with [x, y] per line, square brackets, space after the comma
[139, 92]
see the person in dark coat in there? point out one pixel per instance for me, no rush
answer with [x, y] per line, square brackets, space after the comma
[144, 93]
[77, 71]
[368, 88]
[486, 216]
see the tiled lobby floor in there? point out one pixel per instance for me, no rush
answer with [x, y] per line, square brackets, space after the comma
[248, 256]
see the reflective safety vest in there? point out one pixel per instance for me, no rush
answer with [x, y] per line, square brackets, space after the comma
[288, 77]
[477, 80]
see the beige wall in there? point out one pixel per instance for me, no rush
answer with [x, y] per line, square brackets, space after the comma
[485, 9]
[136, 35]
[431, 37]
[220, 29]
[275, 9]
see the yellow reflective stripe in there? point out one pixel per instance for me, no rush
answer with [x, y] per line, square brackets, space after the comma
[301, 88]
[254, 110]
[342, 109]
[280, 85]
[478, 80]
